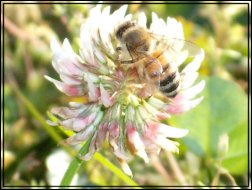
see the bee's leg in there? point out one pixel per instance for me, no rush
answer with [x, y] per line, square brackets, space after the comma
[129, 61]
[135, 55]
[133, 60]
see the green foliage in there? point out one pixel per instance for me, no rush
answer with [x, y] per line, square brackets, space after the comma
[223, 111]
[236, 159]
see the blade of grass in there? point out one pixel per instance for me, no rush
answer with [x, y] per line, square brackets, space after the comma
[76, 163]
[74, 166]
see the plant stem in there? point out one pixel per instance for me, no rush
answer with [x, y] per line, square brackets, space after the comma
[175, 168]
[74, 166]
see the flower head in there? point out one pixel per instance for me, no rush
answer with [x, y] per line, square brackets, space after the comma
[118, 108]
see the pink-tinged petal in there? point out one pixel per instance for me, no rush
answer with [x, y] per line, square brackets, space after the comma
[125, 167]
[81, 123]
[68, 123]
[152, 137]
[78, 124]
[65, 61]
[163, 115]
[101, 135]
[181, 108]
[167, 144]
[195, 64]
[70, 90]
[167, 131]
[116, 143]
[66, 112]
[148, 140]
[81, 136]
[105, 97]
[66, 65]
[70, 80]
[92, 90]
[135, 143]
[114, 130]
[190, 93]
[120, 152]
[70, 68]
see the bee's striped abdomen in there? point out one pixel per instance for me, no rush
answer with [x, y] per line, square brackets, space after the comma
[169, 83]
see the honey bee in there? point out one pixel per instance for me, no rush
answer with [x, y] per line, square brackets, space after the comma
[154, 56]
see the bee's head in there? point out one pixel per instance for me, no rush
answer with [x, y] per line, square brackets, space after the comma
[124, 27]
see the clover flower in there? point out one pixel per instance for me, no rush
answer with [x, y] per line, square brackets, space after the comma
[115, 110]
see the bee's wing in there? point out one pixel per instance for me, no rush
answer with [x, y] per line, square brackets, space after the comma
[173, 47]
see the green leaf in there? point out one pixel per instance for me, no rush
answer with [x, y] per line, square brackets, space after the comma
[223, 111]
[236, 159]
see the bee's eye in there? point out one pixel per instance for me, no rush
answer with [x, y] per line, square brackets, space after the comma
[119, 33]
[119, 48]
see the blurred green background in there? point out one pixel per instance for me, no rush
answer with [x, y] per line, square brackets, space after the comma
[214, 153]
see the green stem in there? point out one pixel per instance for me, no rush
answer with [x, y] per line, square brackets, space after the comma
[74, 165]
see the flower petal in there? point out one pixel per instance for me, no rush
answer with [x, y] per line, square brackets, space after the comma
[101, 135]
[189, 93]
[188, 79]
[66, 112]
[142, 20]
[181, 108]
[174, 29]
[81, 136]
[77, 123]
[70, 90]
[195, 64]
[92, 89]
[105, 98]
[135, 143]
[167, 144]
[125, 167]
[167, 131]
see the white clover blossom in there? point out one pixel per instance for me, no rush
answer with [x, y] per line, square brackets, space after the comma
[115, 111]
